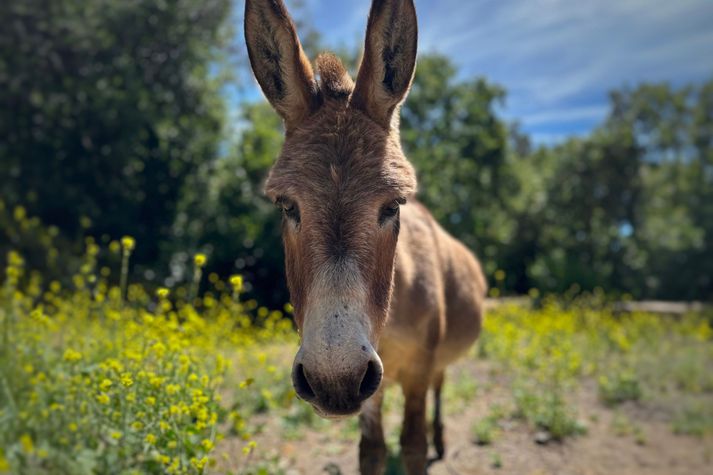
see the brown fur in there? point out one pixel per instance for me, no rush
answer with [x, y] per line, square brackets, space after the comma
[340, 170]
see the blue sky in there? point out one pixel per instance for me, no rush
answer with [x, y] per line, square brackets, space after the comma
[556, 58]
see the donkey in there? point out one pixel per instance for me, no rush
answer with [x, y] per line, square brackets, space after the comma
[379, 289]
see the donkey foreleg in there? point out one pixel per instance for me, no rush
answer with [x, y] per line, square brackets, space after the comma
[438, 441]
[372, 447]
[414, 445]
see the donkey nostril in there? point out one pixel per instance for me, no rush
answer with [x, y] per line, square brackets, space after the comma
[370, 382]
[302, 387]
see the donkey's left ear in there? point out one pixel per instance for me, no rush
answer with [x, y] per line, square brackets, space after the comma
[278, 61]
[389, 59]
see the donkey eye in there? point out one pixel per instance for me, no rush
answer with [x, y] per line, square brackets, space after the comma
[389, 210]
[289, 209]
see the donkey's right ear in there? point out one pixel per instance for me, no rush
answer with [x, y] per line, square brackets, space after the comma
[280, 66]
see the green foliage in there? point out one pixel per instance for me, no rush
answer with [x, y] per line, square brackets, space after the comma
[619, 387]
[106, 108]
[226, 214]
[458, 144]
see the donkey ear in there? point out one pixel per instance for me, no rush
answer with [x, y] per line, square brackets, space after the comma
[389, 59]
[280, 66]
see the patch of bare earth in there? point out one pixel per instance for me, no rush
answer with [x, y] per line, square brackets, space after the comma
[332, 447]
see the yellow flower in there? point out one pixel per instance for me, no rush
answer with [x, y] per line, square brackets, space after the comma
[71, 355]
[105, 384]
[162, 292]
[207, 445]
[151, 401]
[150, 439]
[4, 464]
[249, 447]
[172, 389]
[199, 463]
[73, 427]
[128, 243]
[126, 380]
[116, 435]
[237, 282]
[103, 398]
[137, 425]
[199, 260]
[26, 442]
[19, 213]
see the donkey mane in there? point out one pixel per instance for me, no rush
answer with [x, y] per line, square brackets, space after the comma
[334, 80]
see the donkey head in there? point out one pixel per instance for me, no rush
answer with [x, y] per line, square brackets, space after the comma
[339, 182]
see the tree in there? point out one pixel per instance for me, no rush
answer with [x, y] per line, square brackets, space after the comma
[106, 108]
[458, 144]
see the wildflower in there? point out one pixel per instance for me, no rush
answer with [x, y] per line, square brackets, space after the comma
[19, 213]
[172, 389]
[116, 435]
[162, 292]
[105, 384]
[73, 427]
[207, 445]
[128, 243]
[26, 442]
[4, 464]
[114, 247]
[150, 439]
[159, 348]
[150, 401]
[71, 355]
[103, 398]
[249, 447]
[237, 282]
[126, 380]
[199, 463]
[137, 425]
[199, 260]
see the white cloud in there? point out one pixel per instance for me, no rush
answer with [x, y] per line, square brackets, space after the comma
[597, 113]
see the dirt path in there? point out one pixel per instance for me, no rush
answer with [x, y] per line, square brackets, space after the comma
[631, 440]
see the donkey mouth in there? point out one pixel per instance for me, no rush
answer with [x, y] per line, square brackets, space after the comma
[336, 415]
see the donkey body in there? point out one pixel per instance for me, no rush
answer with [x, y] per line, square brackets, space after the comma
[380, 290]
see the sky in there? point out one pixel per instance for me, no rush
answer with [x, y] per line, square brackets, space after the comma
[557, 59]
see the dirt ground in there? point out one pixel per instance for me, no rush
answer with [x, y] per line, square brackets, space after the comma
[645, 444]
